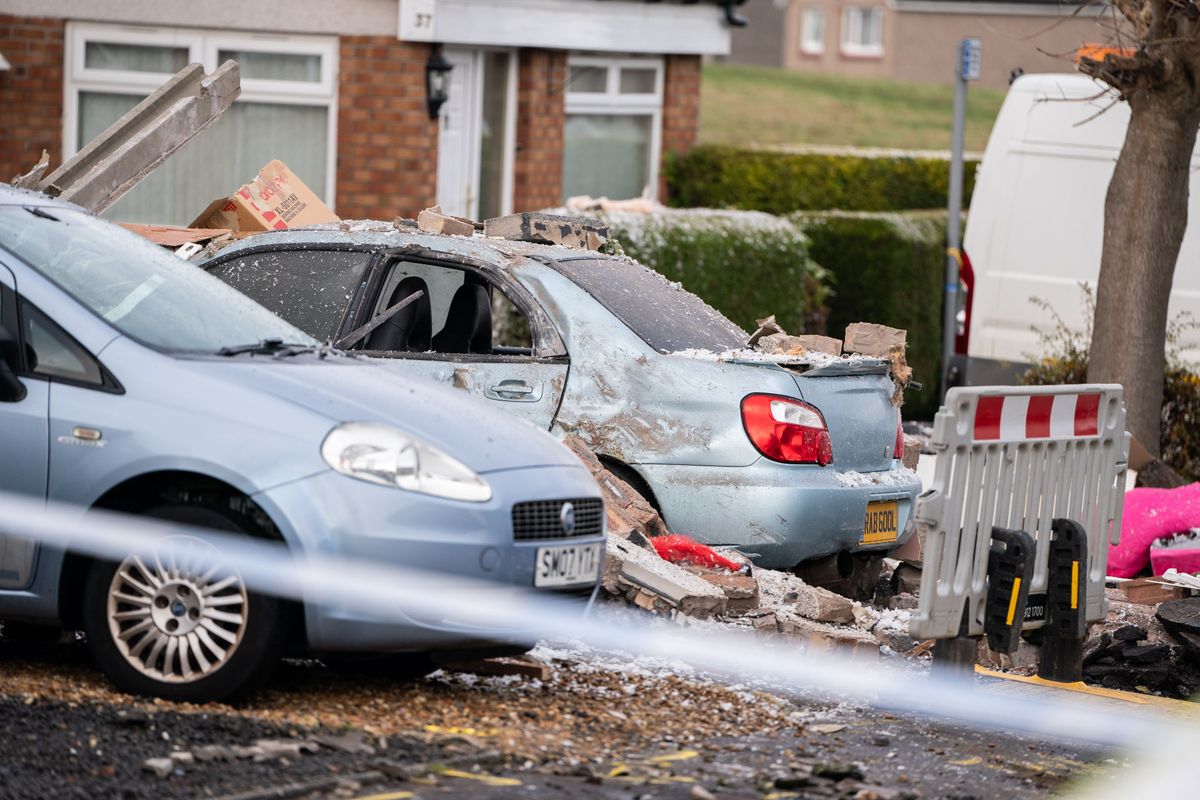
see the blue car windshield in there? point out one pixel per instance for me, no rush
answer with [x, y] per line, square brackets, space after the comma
[139, 288]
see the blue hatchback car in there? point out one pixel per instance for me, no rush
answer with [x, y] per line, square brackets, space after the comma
[130, 380]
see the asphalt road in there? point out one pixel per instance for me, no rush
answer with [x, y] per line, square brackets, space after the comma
[583, 733]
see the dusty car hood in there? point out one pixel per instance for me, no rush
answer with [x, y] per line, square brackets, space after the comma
[346, 390]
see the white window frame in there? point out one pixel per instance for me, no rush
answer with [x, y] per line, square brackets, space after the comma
[808, 45]
[202, 46]
[612, 102]
[852, 27]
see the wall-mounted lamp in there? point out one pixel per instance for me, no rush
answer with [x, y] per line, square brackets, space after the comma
[437, 80]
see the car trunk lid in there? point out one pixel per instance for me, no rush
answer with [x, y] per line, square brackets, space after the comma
[855, 397]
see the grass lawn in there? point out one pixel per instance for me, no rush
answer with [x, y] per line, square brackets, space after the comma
[761, 105]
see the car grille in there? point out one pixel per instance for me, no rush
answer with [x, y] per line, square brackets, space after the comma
[542, 519]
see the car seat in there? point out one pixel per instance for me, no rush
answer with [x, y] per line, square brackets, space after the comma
[411, 327]
[468, 327]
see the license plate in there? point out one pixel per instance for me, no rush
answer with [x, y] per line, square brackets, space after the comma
[566, 565]
[881, 525]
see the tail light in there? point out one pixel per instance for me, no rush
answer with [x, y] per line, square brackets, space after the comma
[786, 430]
[898, 450]
[966, 274]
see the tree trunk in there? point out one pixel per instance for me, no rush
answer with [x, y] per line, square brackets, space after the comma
[1145, 216]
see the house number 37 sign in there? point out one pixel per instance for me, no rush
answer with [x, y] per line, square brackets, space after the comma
[416, 20]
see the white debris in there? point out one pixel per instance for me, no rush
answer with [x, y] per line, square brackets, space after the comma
[897, 476]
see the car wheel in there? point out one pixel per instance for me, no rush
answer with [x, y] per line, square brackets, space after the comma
[181, 626]
[396, 666]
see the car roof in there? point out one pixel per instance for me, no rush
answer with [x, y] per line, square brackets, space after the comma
[376, 234]
[12, 196]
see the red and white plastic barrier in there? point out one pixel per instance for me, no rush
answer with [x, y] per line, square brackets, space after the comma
[1017, 457]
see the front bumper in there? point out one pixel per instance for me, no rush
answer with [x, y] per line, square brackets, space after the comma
[333, 514]
[779, 514]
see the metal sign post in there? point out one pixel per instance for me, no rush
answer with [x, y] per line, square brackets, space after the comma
[969, 54]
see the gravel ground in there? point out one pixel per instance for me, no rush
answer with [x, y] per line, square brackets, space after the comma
[601, 726]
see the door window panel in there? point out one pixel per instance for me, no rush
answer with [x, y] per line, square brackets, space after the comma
[308, 288]
[509, 326]
[51, 352]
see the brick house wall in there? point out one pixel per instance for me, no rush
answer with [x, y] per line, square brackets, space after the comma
[31, 92]
[541, 114]
[387, 145]
[681, 111]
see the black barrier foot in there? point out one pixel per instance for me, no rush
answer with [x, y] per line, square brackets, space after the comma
[1066, 601]
[1010, 568]
[955, 657]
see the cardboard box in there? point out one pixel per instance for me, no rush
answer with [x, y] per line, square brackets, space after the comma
[274, 201]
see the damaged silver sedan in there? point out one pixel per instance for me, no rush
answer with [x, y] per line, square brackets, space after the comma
[786, 458]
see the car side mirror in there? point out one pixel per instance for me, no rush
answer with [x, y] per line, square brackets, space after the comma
[11, 388]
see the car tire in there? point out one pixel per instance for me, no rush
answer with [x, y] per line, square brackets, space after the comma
[200, 637]
[395, 666]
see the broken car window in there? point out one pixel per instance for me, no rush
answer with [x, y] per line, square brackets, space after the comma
[663, 314]
[308, 288]
[139, 288]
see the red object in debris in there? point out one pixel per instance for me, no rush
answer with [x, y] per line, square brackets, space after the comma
[681, 549]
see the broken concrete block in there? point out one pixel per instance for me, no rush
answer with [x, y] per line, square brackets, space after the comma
[628, 566]
[432, 220]
[525, 666]
[741, 591]
[1148, 592]
[912, 451]
[580, 232]
[821, 636]
[869, 339]
[785, 590]
[782, 343]
[162, 767]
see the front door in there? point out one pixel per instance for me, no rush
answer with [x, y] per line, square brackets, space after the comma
[24, 430]
[475, 134]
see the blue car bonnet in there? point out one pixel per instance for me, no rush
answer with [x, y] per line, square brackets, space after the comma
[349, 390]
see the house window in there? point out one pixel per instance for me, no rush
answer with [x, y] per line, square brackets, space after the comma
[286, 111]
[862, 31]
[612, 132]
[812, 30]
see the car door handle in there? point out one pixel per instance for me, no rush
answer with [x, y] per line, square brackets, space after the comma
[514, 389]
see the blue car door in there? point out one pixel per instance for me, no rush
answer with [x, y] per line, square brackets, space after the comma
[24, 439]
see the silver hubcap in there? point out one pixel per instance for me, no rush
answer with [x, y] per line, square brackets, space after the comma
[178, 615]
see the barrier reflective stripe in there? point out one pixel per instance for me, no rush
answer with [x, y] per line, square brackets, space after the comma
[1017, 457]
[1013, 417]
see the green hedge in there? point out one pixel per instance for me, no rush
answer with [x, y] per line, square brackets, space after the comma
[745, 264]
[887, 268]
[717, 176]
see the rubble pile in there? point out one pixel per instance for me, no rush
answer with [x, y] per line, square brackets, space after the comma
[722, 585]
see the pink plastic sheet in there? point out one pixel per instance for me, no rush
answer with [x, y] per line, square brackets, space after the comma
[1151, 514]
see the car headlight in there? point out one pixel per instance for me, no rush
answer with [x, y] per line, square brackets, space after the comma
[381, 454]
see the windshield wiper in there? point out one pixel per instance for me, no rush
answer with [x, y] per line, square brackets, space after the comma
[266, 347]
[38, 212]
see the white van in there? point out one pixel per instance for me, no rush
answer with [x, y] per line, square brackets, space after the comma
[1036, 223]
